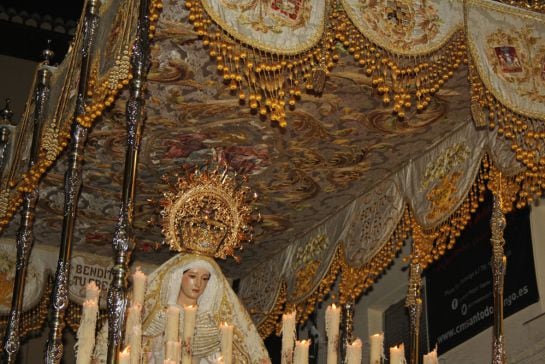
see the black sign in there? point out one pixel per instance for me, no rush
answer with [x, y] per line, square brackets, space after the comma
[459, 286]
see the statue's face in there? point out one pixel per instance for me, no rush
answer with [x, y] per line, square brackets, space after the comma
[194, 282]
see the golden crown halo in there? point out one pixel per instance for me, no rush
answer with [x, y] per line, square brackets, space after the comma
[208, 212]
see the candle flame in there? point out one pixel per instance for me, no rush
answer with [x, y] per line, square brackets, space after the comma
[127, 350]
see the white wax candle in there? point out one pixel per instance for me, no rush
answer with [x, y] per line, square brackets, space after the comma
[353, 352]
[92, 291]
[135, 332]
[172, 325]
[170, 352]
[397, 354]
[190, 315]
[226, 342]
[377, 348]
[301, 352]
[139, 286]
[86, 331]
[125, 356]
[431, 357]
[178, 348]
[332, 321]
[288, 337]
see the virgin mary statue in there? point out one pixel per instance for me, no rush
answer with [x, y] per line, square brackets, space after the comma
[204, 217]
[175, 283]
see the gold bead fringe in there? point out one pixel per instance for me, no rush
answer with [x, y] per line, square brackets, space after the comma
[526, 136]
[356, 280]
[272, 318]
[267, 83]
[430, 245]
[306, 307]
[101, 94]
[270, 83]
[406, 82]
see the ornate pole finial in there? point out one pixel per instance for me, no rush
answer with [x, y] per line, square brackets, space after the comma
[47, 53]
[7, 114]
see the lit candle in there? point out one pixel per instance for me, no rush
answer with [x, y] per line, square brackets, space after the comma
[226, 342]
[190, 315]
[397, 354]
[92, 291]
[431, 357]
[166, 361]
[86, 331]
[288, 337]
[173, 321]
[332, 320]
[353, 352]
[139, 286]
[301, 352]
[377, 348]
[125, 356]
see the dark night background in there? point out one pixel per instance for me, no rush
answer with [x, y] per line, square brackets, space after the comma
[27, 25]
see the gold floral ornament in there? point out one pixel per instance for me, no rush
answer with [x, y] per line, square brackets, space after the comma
[208, 212]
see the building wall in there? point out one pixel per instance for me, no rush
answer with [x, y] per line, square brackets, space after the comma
[16, 77]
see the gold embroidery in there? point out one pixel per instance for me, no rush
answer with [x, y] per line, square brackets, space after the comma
[449, 159]
[397, 21]
[310, 250]
[272, 15]
[305, 277]
[443, 196]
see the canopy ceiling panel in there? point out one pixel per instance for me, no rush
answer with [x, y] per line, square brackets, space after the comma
[338, 146]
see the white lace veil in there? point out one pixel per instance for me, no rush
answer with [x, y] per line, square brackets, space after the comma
[208, 297]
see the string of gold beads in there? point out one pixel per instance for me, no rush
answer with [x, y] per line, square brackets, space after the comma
[526, 136]
[101, 95]
[269, 84]
[408, 82]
